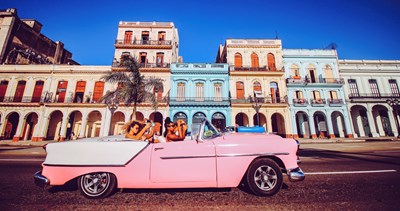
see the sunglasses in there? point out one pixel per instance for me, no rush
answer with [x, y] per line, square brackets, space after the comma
[171, 125]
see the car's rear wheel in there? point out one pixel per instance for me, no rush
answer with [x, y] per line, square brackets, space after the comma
[264, 177]
[97, 185]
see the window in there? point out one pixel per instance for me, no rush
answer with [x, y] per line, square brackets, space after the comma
[181, 92]
[373, 85]
[271, 62]
[161, 37]
[316, 95]
[199, 92]
[61, 90]
[3, 89]
[328, 74]
[37, 92]
[333, 95]
[353, 88]
[79, 91]
[145, 37]
[299, 95]
[239, 90]
[275, 98]
[311, 73]
[160, 59]
[295, 71]
[19, 92]
[157, 91]
[238, 60]
[143, 58]
[257, 86]
[218, 92]
[394, 88]
[98, 90]
[254, 61]
[128, 37]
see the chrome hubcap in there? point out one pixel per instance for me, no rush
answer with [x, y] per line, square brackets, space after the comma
[95, 184]
[265, 178]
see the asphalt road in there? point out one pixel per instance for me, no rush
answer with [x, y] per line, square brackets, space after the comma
[348, 176]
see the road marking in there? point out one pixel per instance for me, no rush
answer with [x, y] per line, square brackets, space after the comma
[350, 172]
[21, 159]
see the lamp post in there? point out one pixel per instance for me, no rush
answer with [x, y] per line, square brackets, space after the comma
[257, 107]
[112, 106]
[393, 102]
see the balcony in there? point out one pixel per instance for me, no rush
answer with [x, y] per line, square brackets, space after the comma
[335, 102]
[372, 97]
[199, 101]
[249, 68]
[24, 99]
[116, 66]
[267, 100]
[160, 44]
[308, 81]
[300, 102]
[318, 102]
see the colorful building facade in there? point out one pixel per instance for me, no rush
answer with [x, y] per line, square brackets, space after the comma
[316, 97]
[200, 90]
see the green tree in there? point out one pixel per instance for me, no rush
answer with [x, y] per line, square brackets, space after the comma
[133, 88]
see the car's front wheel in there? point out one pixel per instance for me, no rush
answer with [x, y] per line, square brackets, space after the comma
[97, 185]
[264, 177]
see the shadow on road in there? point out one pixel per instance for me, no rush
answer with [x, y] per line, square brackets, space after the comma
[364, 156]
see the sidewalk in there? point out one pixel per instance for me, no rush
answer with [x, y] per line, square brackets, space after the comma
[24, 143]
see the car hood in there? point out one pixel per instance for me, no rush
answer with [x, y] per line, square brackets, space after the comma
[108, 151]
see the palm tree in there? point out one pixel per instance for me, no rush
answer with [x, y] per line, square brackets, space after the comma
[133, 87]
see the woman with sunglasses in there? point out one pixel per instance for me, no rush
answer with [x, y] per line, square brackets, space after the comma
[136, 130]
[172, 129]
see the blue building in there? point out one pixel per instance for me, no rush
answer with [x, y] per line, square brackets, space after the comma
[200, 90]
[316, 94]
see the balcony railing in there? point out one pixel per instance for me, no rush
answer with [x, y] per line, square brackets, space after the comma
[259, 100]
[300, 102]
[199, 99]
[143, 42]
[24, 99]
[335, 102]
[318, 102]
[145, 65]
[374, 95]
[318, 80]
[249, 68]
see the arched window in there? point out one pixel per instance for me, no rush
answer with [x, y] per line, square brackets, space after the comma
[274, 89]
[254, 61]
[238, 61]
[239, 90]
[295, 71]
[271, 62]
[257, 86]
[311, 74]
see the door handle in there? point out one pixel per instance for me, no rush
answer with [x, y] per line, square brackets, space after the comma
[158, 148]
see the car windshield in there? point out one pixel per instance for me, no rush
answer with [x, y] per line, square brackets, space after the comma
[210, 131]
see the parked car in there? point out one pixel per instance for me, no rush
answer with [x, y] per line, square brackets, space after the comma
[209, 159]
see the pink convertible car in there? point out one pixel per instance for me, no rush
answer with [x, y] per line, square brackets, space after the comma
[207, 159]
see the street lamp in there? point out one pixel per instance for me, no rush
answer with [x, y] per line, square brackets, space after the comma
[112, 106]
[394, 103]
[257, 107]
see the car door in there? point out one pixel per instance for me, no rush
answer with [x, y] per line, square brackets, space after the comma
[183, 161]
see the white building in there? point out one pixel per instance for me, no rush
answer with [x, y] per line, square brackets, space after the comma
[373, 95]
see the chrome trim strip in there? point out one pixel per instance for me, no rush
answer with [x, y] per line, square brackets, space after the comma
[225, 155]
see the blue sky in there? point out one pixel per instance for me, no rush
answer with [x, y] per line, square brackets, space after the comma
[368, 29]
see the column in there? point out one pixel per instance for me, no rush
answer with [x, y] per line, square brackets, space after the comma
[293, 124]
[18, 133]
[347, 122]
[269, 122]
[38, 134]
[371, 122]
[64, 123]
[83, 126]
[330, 125]
[106, 123]
[312, 126]
[392, 121]
[2, 125]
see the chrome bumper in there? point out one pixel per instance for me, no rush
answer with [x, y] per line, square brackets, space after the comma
[296, 175]
[40, 180]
